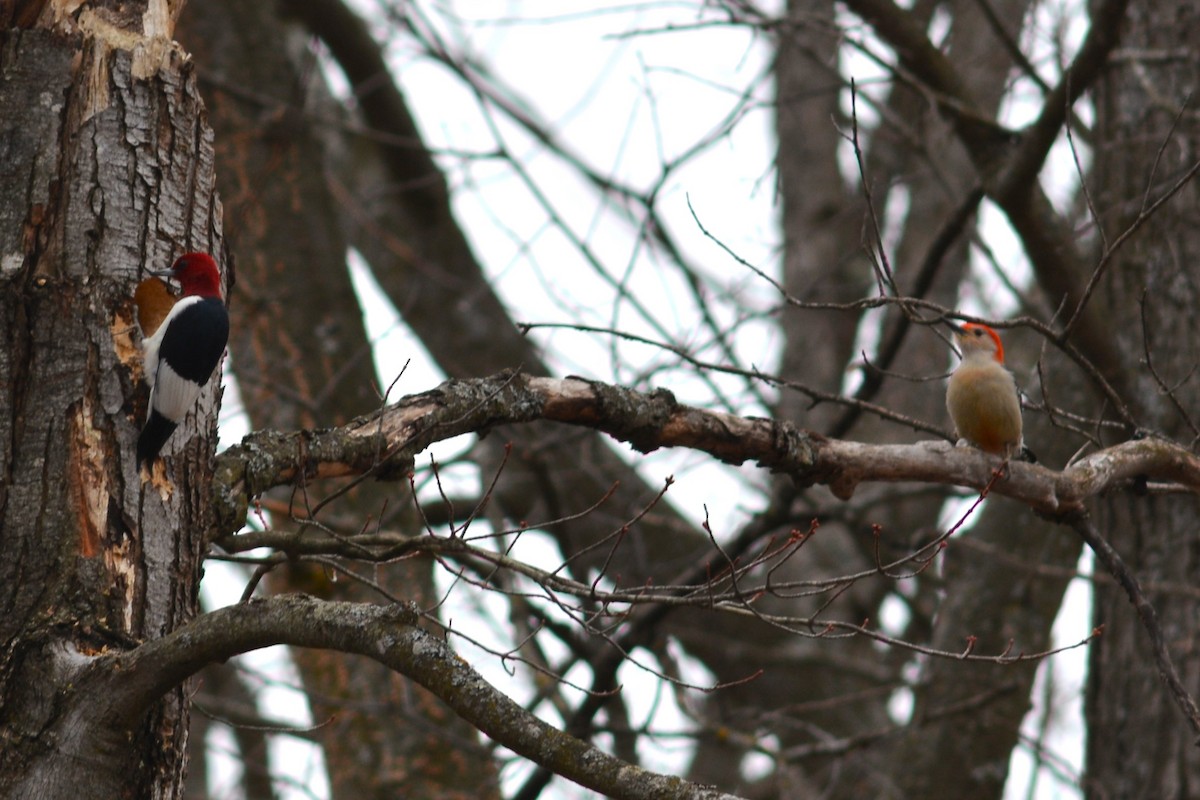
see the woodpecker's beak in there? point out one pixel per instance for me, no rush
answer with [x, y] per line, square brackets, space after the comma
[168, 275]
[954, 326]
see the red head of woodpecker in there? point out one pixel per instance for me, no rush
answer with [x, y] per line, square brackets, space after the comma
[982, 396]
[184, 350]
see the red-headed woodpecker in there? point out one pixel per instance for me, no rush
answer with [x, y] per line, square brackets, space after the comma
[183, 352]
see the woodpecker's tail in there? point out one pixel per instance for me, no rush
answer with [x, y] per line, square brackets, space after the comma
[158, 429]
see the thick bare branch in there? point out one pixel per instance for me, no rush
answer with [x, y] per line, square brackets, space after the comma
[390, 635]
[384, 443]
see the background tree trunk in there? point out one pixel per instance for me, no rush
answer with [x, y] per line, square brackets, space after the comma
[302, 358]
[1145, 141]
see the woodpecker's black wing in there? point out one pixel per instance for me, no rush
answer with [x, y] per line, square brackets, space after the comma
[193, 339]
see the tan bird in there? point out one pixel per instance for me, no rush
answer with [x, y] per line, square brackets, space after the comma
[982, 396]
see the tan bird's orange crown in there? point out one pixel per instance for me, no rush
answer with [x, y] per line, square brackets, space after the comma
[977, 331]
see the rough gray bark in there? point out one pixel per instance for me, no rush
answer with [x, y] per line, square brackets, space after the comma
[1146, 136]
[109, 173]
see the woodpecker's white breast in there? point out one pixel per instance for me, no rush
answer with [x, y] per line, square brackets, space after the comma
[152, 345]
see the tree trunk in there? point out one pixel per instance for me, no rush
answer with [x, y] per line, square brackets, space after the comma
[109, 173]
[1137, 745]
